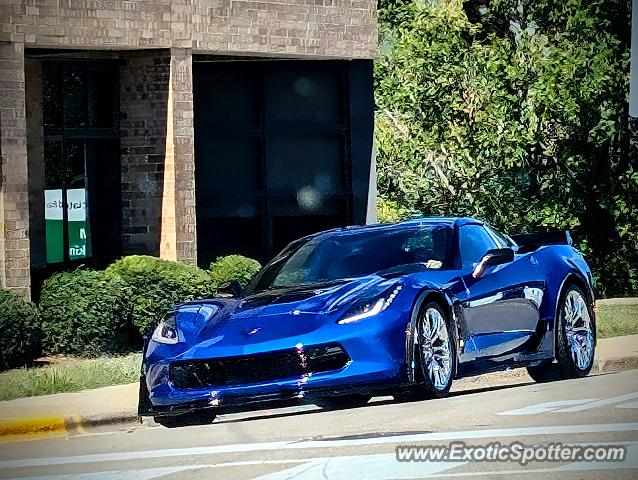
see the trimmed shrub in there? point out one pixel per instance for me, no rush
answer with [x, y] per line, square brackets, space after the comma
[233, 267]
[155, 285]
[21, 335]
[85, 313]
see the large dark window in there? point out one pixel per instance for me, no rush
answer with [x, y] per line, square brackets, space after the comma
[81, 161]
[273, 152]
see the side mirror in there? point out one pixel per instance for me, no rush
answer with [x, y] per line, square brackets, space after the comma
[230, 289]
[496, 256]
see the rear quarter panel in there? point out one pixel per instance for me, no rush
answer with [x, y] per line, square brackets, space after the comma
[562, 264]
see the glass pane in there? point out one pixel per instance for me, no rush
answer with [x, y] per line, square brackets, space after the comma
[77, 215]
[77, 226]
[54, 226]
[227, 235]
[474, 242]
[51, 96]
[53, 165]
[227, 95]
[75, 172]
[305, 167]
[308, 94]
[101, 88]
[74, 98]
[228, 176]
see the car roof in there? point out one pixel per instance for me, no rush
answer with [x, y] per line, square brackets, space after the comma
[413, 222]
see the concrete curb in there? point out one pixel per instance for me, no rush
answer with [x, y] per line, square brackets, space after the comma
[615, 364]
[33, 425]
[55, 425]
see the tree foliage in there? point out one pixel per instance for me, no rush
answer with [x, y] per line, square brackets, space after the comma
[513, 111]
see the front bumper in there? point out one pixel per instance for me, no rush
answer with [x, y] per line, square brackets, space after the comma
[376, 360]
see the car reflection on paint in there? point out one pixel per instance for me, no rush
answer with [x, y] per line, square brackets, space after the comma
[400, 309]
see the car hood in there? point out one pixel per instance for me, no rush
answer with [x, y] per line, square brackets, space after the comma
[270, 315]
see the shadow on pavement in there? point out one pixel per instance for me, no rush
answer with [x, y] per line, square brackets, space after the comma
[385, 401]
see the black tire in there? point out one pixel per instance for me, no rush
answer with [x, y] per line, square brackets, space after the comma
[339, 402]
[566, 366]
[430, 388]
[186, 419]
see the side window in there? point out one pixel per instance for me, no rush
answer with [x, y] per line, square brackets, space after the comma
[474, 241]
[503, 242]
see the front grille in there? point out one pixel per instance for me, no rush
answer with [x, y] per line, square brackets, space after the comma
[259, 368]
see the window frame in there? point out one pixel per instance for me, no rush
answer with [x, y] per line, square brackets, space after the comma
[85, 134]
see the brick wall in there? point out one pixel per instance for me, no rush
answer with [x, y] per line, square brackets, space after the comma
[14, 195]
[334, 28]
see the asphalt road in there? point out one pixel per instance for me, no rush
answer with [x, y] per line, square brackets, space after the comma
[305, 442]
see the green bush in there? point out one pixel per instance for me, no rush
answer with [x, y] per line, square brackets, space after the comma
[21, 335]
[155, 285]
[233, 267]
[85, 313]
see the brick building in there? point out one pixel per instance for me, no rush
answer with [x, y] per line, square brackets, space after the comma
[186, 129]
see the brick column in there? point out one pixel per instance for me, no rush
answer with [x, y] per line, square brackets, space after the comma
[183, 150]
[14, 194]
[158, 184]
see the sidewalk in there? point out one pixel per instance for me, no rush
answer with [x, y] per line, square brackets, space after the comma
[65, 413]
[69, 412]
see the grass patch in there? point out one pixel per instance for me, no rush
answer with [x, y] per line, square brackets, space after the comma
[69, 375]
[615, 319]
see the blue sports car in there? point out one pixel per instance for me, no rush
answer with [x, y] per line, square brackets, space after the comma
[399, 309]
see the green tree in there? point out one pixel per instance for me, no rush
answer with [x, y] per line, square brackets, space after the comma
[513, 111]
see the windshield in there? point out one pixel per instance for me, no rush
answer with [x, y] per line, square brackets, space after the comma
[349, 254]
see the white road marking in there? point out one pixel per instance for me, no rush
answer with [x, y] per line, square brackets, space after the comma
[546, 407]
[371, 467]
[146, 474]
[570, 406]
[150, 473]
[599, 403]
[312, 444]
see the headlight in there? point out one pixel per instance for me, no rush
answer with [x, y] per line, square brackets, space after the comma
[370, 308]
[166, 330]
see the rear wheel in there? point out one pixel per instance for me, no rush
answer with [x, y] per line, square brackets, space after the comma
[339, 402]
[436, 351]
[575, 339]
[186, 419]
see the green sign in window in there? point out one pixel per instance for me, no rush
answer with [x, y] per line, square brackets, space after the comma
[76, 226]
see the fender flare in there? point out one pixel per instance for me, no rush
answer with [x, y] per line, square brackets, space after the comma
[410, 329]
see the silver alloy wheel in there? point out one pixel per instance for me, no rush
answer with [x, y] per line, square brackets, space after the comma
[435, 348]
[578, 329]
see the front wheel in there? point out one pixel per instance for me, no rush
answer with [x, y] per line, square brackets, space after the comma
[436, 351]
[575, 339]
[186, 419]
